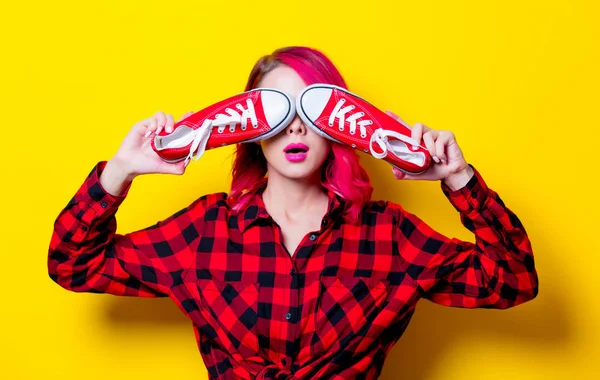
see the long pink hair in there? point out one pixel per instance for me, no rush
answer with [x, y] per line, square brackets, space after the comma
[341, 171]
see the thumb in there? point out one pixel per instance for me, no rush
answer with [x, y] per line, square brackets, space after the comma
[398, 174]
[177, 168]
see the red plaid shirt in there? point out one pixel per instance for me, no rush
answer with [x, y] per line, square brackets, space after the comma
[333, 310]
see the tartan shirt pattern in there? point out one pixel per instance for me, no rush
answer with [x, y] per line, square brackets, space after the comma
[331, 310]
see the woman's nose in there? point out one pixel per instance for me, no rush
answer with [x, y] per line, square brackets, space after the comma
[296, 127]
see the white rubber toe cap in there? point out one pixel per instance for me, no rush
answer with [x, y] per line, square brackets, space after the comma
[278, 108]
[313, 101]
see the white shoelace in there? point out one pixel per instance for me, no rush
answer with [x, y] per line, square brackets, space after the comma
[380, 135]
[232, 118]
[399, 149]
[340, 113]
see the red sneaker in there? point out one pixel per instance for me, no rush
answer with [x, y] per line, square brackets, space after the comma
[250, 116]
[361, 125]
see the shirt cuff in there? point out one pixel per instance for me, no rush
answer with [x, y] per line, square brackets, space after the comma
[99, 200]
[470, 197]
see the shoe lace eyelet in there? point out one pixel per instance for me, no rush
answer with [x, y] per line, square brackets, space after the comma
[341, 129]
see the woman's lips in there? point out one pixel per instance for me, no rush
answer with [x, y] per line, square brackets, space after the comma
[298, 146]
[296, 152]
[296, 157]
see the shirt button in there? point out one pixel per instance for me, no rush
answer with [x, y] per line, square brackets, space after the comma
[474, 193]
[288, 316]
[324, 222]
[283, 361]
[103, 204]
[313, 237]
[292, 272]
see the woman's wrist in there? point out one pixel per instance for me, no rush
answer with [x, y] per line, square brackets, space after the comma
[459, 179]
[115, 177]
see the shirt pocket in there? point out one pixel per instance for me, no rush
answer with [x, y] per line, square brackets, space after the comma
[345, 309]
[232, 309]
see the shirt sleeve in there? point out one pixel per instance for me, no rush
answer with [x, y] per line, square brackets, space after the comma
[497, 271]
[87, 255]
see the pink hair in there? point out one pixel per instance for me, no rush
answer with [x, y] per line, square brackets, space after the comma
[341, 171]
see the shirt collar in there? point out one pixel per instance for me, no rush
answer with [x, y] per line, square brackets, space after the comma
[255, 209]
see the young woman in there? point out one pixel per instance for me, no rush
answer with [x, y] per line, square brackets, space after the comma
[295, 273]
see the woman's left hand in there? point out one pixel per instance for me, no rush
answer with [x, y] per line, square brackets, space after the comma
[449, 164]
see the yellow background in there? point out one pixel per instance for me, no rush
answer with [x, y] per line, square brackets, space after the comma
[516, 81]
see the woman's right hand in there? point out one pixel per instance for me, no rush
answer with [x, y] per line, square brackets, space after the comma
[136, 156]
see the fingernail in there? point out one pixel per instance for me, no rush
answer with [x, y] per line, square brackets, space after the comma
[443, 160]
[147, 134]
[437, 160]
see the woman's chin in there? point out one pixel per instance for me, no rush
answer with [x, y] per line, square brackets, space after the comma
[297, 171]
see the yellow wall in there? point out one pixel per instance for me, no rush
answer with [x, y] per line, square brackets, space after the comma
[516, 81]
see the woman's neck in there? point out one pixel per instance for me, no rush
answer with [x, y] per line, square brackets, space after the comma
[293, 198]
